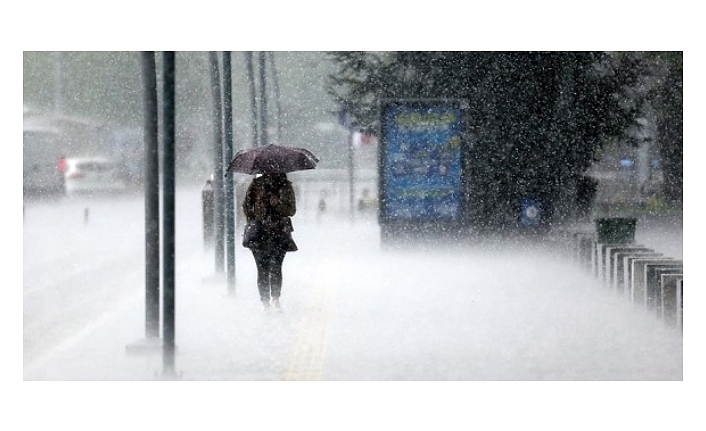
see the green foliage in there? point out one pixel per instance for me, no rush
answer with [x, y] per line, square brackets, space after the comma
[669, 103]
[537, 119]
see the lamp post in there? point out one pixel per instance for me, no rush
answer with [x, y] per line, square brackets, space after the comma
[217, 161]
[168, 221]
[228, 155]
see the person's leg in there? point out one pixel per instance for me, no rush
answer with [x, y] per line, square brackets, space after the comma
[276, 261]
[263, 275]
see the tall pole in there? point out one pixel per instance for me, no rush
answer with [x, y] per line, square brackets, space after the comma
[228, 150]
[263, 101]
[151, 185]
[278, 104]
[351, 176]
[168, 204]
[253, 96]
[58, 83]
[217, 162]
[345, 119]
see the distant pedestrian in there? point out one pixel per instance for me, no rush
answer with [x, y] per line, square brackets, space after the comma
[365, 203]
[321, 205]
[322, 202]
[268, 204]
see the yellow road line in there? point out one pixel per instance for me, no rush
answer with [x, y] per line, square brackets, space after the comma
[307, 357]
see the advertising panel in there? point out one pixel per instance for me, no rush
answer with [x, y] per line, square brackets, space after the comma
[420, 160]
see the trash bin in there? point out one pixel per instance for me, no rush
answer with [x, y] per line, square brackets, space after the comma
[207, 212]
[616, 230]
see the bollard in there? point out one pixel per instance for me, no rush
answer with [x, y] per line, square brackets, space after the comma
[619, 268]
[637, 277]
[653, 283]
[680, 304]
[86, 212]
[602, 265]
[609, 260]
[628, 271]
[585, 250]
[207, 213]
[668, 292]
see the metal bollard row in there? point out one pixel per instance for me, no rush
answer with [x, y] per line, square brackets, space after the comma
[640, 274]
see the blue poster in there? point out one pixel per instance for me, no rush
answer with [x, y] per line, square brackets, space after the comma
[421, 161]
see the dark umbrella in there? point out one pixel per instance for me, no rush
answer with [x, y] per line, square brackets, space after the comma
[272, 159]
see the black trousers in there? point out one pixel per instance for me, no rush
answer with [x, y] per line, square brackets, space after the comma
[269, 272]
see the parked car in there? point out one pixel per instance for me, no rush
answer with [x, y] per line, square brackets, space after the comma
[92, 175]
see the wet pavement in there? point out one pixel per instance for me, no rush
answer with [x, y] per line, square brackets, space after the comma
[356, 311]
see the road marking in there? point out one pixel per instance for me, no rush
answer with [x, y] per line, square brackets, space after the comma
[50, 355]
[306, 361]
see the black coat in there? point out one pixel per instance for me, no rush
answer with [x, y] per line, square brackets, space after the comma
[270, 201]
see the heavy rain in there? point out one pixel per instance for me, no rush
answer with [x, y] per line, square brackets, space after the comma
[463, 223]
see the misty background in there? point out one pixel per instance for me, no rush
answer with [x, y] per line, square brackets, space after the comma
[103, 91]
[568, 128]
[99, 93]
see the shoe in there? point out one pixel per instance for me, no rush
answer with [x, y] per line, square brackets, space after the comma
[265, 305]
[275, 304]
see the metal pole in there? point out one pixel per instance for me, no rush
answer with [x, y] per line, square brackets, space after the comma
[58, 83]
[351, 177]
[253, 96]
[168, 201]
[228, 150]
[263, 101]
[345, 119]
[278, 104]
[58, 95]
[217, 162]
[151, 184]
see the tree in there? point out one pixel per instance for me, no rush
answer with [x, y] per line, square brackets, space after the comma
[537, 119]
[669, 104]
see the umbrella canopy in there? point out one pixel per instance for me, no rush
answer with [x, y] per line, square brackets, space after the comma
[272, 159]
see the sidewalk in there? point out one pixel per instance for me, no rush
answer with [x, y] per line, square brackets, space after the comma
[353, 311]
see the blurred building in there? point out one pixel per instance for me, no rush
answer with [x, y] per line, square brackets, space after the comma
[78, 136]
[628, 175]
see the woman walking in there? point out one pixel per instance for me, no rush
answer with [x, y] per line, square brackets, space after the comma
[268, 205]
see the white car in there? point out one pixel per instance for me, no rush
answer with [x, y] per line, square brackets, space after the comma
[92, 175]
